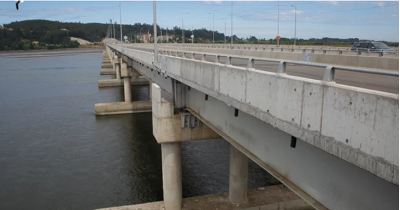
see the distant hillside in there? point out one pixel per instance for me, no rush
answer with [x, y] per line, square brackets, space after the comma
[39, 34]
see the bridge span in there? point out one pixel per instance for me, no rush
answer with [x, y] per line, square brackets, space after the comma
[334, 145]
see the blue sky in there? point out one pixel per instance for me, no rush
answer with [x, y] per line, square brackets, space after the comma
[339, 19]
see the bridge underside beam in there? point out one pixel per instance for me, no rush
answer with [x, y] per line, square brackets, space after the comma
[315, 175]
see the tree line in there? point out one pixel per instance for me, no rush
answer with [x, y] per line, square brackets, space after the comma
[45, 34]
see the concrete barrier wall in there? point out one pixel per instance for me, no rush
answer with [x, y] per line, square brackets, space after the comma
[352, 59]
[385, 63]
[358, 125]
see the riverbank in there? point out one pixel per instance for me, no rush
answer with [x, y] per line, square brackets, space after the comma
[48, 53]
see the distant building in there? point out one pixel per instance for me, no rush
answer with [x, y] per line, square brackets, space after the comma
[145, 38]
[164, 38]
[35, 42]
[64, 29]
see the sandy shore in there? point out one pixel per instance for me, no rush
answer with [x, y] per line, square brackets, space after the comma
[48, 53]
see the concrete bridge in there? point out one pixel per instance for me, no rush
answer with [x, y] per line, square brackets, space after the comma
[334, 145]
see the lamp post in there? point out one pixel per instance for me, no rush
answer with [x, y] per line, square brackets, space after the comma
[213, 26]
[295, 20]
[113, 25]
[232, 24]
[120, 20]
[155, 32]
[278, 27]
[225, 32]
[183, 32]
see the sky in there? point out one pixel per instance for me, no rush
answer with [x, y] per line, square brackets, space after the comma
[315, 19]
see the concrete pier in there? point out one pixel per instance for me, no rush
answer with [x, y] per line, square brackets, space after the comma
[119, 82]
[126, 74]
[106, 65]
[117, 63]
[238, 175]
[266, 198]
[122, 107]
[107, 71]
[172, 175]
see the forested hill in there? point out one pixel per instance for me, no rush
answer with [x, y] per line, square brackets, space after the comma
[39, 34]
[39, 30]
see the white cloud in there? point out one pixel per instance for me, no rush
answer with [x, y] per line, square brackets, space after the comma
[333, 2]
[297, 11]
[212, 2]
[381, 4]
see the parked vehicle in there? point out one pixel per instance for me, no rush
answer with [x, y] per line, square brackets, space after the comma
[372, 47]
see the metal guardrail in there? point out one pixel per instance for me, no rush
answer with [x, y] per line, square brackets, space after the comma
[283, 49]
[329, 75]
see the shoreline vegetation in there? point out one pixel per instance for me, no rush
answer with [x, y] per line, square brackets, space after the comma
[45, 34]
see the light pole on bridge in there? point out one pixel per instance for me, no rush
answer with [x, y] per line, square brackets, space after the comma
[295, 20]
[120, 19]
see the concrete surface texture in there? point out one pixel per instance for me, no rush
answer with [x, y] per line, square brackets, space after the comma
[172, 175]
[167, 126]
[386, 63]
[238, 176]
[355, 124]
[265, 198]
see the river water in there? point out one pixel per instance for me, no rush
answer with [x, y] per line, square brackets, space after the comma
[56, 154]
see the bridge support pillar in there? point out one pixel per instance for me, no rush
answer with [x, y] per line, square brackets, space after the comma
[126, 74]
[117, 66]
[172, 175]
[170, 128]
[238, 173]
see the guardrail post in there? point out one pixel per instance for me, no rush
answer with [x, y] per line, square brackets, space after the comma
[340, 52]
[228, 60]
[250, 63]
[216, 59]
[203, 57]
[282, 67]
[192, 56]
[183, 55]
[329, 75]
[380, 54]
[324, 51]
[281, 49]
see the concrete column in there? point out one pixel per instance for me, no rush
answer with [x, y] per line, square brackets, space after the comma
[171, 153]
[172, 175]
[117, 67]
[127, 89]
[126, 74]
[238, 173]
[150, 90]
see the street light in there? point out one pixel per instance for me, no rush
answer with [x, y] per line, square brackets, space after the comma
[232, 24]
[295, 14]
[225, 32]
[277, 39]
[120, 20]
[183, 36]
[213, 26]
